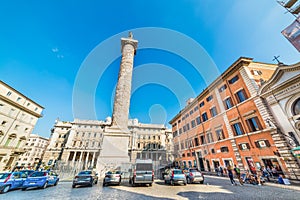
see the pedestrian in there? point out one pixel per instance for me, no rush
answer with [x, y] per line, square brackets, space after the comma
[238, 174]
[221, 170]
[230, 175]
[265, 173]
[274, 171]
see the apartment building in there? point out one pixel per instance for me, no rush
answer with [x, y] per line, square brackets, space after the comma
[18, 117]
[34, 151]
[226, 124]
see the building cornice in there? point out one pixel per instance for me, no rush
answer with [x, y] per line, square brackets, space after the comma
[7, 100]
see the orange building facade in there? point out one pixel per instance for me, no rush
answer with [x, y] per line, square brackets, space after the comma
[227, 123]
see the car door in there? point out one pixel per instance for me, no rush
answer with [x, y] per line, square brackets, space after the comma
[17, 180]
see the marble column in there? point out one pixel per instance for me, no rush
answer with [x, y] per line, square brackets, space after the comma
[123, 90]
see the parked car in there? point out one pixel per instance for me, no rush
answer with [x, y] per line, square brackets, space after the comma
[142, 172]
[86, 178]
[194, 176]
[112, 177]
[11, 181]
[40, 179]
[175, 176]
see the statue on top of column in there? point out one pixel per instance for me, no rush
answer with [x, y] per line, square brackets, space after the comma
[130, 35]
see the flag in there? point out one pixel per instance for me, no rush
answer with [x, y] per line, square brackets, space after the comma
[292, 33]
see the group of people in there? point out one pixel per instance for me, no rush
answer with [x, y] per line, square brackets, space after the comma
[256, 178]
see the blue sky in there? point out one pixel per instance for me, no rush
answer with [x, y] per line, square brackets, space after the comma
[45, 43]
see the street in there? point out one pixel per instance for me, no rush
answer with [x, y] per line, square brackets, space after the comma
[214, 188]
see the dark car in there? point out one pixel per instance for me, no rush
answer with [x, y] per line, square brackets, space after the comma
[194, 176]
[85, 178]
[112, 177]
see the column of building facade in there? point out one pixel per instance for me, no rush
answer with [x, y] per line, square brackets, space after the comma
[93, 159]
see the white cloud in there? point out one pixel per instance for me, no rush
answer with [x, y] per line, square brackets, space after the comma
[54, 50]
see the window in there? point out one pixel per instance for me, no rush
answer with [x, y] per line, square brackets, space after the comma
[7, 142]
[36, 109]
[196, 108]
[19, 98]
[241, 95]
[213, 151]
[222, 88]
[193, 123]
[198, 120]
[220, 134]
[244, 146]
[3, 123]
[188, 127]
[234, 79]
[296, 107]
[191, 112]
[28, 104]
[224, 149]
[16, 127]
[209, 137]
[204, 117]
[209, 98]
[202, 138]
[213, 111]
[95, 134]
[262, 143]
[183, 155]
[196, 141]
[8, 93]
[238, 129]
[228, 103]
[201, 104]
[253, 124]
[180, 131]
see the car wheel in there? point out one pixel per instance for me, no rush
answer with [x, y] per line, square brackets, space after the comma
[45, 185]
[201, 182]
[166, 182]
[150, 184]
[96, 182]
[55, 184]
[24, 189]
[172, 182]
[188, 180]
[73, 186]
[6, 188]
[184, 183]
[91, 184]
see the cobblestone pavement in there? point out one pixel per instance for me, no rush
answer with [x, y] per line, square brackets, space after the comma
[214, 188]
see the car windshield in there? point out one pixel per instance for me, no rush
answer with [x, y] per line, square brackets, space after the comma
[38, 174]
[194, 170]
[178, 172]
[85, 173]
[3, 175]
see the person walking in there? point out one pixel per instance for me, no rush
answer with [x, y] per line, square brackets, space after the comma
[238, 174]
[230, 175]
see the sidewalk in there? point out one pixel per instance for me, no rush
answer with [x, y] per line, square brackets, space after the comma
[295, 184]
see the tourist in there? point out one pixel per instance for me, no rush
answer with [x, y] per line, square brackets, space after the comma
[238, 174]
[230, 175]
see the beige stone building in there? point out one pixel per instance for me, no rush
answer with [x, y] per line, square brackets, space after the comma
[282, 95]
[76, 145]
[18, 116]
[34, 150]
[58, 138]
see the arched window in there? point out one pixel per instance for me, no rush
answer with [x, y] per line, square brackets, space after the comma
[296, 107]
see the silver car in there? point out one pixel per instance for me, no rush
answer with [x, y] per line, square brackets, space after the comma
[194, 176]
[112, 177]
[175, 176]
